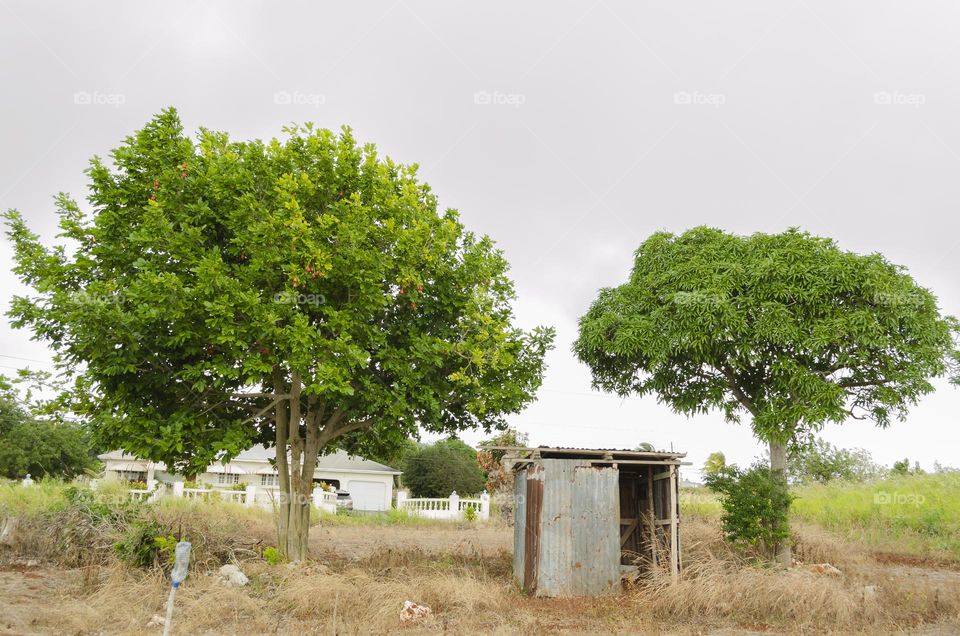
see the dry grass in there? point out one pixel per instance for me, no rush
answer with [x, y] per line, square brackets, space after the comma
[472, 592]
[364, 572]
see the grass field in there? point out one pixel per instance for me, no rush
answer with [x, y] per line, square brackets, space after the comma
[916, 515]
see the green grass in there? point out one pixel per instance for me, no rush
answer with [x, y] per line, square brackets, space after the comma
[699, 503]
[42, 496]
[915, 514]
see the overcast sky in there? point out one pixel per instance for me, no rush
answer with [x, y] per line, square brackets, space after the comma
[568, 132]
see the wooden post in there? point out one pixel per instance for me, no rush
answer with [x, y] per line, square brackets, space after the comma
[674, 529]
[653, 519]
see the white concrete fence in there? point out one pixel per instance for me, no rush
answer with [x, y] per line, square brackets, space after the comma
[249, 496]
[451, 508]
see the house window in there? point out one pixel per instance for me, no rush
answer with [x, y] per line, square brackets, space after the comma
[269, 480]
[131, 475]
[225, 479]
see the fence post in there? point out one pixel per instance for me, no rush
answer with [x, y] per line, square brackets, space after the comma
[251, 495]
[401, 499]
[318, 497]
[484, 505]
[454, 505]
[178, 489]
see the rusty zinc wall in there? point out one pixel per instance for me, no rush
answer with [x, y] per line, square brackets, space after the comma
[570, 542]
[519, 523]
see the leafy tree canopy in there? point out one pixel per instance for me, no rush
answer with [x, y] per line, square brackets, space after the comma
[304, 293]
[786, 327]
[206, 267]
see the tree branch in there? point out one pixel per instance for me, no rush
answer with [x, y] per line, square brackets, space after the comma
[738, 393]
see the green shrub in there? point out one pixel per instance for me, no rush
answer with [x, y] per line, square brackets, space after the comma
[139, 546]
[272, 556]
[470, 514]
[755, 506]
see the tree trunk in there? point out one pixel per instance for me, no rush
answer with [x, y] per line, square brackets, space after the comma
[778, 469]
[296, 471]
[299, 431]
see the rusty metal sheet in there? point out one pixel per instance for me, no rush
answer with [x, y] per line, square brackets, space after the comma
[519, 523]
[579, 538]
[534, 528]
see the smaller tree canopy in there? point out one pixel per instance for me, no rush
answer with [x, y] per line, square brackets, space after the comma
[37, 446]
[491, 461]
[902, 467]
[715, 463]
[820, 461]
[443, 467]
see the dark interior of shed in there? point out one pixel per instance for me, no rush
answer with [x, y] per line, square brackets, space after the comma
[645, 516]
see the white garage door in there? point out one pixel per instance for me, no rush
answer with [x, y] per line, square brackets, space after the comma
[368, 495]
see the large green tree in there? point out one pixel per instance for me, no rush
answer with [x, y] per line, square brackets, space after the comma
[304, 292]
[787, 329]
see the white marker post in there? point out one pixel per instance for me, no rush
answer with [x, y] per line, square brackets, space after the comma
[180, 564]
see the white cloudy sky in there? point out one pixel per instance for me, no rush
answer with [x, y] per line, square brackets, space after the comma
[606, 121]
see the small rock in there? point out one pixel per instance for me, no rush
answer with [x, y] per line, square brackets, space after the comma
[232, 576]
[870, 591]
[157, 621]
[414, 612]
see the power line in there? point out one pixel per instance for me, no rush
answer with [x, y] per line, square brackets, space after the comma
[3, 355]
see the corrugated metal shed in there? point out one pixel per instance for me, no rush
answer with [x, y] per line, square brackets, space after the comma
[583, 515]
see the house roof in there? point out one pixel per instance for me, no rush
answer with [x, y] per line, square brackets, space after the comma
[337, 461]
[587, 453]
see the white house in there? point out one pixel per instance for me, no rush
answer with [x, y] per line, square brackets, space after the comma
[370, 484]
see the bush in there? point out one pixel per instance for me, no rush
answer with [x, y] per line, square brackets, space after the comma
[138, 546]
[446, 466]
[755, 506]
[272, 556]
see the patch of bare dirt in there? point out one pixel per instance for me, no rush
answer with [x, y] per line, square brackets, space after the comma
[26, 593]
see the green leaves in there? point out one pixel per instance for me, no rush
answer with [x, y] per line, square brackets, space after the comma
[205, 264]
[787, 328]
